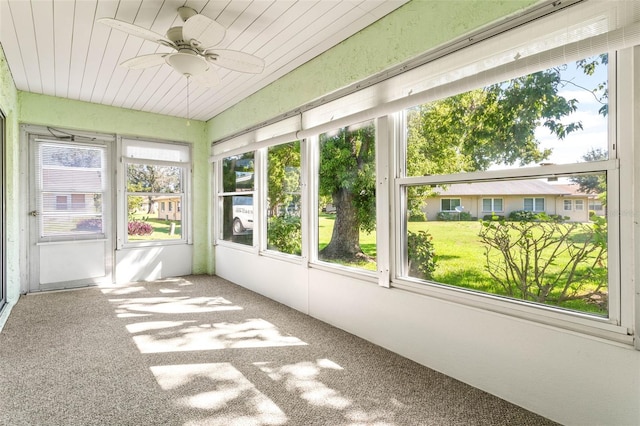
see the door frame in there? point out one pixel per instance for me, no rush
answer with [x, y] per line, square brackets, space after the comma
[30, 258]
[3, 212]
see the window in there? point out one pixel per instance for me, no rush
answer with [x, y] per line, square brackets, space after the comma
[237, 198]
[155, 172]
[579, 205]
[61, 202]
[78, 201]
[346, 197]
[534, 204]
[484, 256]
[449, 204]
[595, 205]
[492, 205]
[70, 172]
[284, 215]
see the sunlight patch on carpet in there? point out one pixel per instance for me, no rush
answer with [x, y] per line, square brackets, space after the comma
[220, 393]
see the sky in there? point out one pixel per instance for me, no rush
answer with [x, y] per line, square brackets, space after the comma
[594, 133]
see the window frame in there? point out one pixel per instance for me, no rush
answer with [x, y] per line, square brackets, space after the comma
[450, 199]
[492, 201]
[264, 249]
[568, 202]
[381, 137]
[619, 321]
[184, 195]
[534, 203]
[221, 194]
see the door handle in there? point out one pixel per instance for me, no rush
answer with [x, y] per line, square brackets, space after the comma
[34, 213]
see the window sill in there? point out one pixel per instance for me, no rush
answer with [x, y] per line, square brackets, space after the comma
[152, 244]
[584, 324]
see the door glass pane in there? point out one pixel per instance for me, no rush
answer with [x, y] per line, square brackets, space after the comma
[71, 182]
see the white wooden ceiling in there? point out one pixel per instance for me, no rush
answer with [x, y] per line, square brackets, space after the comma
[55, 47]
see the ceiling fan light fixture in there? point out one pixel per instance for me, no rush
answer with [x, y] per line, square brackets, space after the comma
[187, 63]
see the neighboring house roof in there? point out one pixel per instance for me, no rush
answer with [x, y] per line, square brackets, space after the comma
[508, 187]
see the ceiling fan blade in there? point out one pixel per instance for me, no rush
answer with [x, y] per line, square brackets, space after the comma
[145, 61]
[235, 60]
[136, 31]
[204, 32]
[207, 79]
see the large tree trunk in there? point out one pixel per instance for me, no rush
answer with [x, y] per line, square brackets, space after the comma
[345, 239]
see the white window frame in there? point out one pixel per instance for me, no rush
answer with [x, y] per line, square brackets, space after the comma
[493, 205]
[122, 240]
[566, 203]
[534, 202]
[602, 25]
[578, 205]
[303, 206]
[450, 199]
[220, 195]
[617, 325]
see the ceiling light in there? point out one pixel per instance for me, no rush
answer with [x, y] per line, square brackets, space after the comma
[187, 63]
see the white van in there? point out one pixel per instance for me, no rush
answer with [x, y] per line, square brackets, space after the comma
[242, 214]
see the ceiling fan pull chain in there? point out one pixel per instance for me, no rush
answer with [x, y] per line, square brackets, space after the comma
[188, 116]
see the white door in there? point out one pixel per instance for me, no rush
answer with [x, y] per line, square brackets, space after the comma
[70, 209]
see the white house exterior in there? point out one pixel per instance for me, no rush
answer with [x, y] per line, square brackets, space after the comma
[501, 198]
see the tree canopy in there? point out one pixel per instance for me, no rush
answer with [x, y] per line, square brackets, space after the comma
[471, 131]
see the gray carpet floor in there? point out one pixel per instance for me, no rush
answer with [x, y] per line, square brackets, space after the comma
[199, 350]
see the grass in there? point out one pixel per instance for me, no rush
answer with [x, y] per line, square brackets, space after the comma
[161, 229]
[367, 241]
[460, 256]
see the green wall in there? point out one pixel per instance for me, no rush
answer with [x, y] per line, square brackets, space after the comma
[411, 30]
[9, 106]
[64, 113]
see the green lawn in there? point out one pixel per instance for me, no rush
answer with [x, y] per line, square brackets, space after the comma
[161, 229]
[367, 241]
[460, 256]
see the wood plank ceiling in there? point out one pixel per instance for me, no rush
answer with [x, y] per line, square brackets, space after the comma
[55, 47]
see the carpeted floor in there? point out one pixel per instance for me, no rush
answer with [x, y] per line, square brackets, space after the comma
[201, 351]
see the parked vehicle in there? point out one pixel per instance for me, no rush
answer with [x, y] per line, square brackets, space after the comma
[242, 214]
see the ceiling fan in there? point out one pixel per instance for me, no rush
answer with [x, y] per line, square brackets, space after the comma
[194, 44]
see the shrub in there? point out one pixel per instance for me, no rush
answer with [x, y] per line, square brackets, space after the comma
[462, 216]
[547, 262]
[422, 257]
[493, 217]
[522, 216]
[465, 216]
[284, 233]
[137, 227]
[444, 216]
[93, 225]
[417, 217]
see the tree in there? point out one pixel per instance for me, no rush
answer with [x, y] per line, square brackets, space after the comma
[347, 174]
[283, 173]
[153, 180]
[595, 183]
[467, 132]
